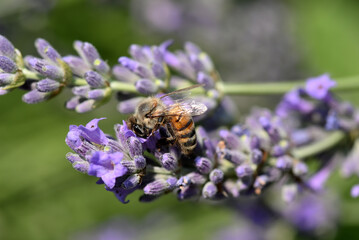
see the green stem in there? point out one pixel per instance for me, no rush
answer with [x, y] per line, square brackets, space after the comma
[274, 88]
[343, 85]
[30, 75]
[331, 140]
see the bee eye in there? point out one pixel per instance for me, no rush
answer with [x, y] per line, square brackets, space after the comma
[138, 130]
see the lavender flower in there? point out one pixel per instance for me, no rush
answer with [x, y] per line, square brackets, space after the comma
[10, 61]
[355, 191]
[318, 87]
[146, 68]
[96, 73]
[312, 214]
[119, 163]
[107, 166]
[238, 161]
[53, 72]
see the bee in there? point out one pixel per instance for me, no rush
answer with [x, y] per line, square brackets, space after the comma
[152, 113]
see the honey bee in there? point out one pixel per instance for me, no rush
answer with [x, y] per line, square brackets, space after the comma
[152, 113]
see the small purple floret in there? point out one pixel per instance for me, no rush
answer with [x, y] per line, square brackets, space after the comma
[319, 87]
[355, 191]
[107, 166]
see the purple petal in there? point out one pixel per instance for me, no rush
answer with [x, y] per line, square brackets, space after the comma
[93, 133]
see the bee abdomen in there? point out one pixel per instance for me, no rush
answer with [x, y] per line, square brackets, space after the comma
[187, 141]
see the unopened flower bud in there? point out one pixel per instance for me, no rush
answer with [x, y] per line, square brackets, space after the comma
[355, 191]
[232, 141]
[140, 162]
[289, 192]
[195, 178]
[46, 50]
[183, 181]
[216, 176]
[85, 106]
[260, 181]
[130, 165]
[158, 71]
[146, 86]
[235, 157]
[232, 188]
[94, 79]
[132, 181]
[73, 102]
[134, 146]
[77, 65]
[129, 106]
[7, 65]
[47, 85]
[206, 62]
[209, 190]
[81, 90]
[169, 162]
[96, 94]
[205, 79]
[156, 187]
[284, 162]
[72, 157]
[172, 182]
[101, 66]
[123, 74]
[6, 79]
[256, 156]
[300, 168]
[6, 48]
[128, 63]
[244, 170]
[204, 165]
[34, 96]
[3, 91]
[192, 48]
[138, 54]
[42, 67]
[90, 52]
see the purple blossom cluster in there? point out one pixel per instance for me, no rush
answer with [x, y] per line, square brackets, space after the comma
[244, 159]
[312, 112]
[227, 163]
[148, 71]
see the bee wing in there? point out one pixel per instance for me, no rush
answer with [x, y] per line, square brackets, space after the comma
[187, 106]
[193, 107]
[179, 95]
[181, 101]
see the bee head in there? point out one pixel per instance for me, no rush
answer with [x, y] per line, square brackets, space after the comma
[137, 128]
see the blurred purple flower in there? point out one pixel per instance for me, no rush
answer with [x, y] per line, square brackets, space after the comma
[318, 87]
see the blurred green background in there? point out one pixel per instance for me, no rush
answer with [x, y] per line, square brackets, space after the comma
[42, 197]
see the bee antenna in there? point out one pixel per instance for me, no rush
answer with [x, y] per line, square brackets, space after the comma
[182, 90]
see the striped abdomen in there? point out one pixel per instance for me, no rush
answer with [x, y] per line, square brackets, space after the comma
[183, 129]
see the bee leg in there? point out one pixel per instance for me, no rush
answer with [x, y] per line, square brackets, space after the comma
[157, 126]
[172, 137]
